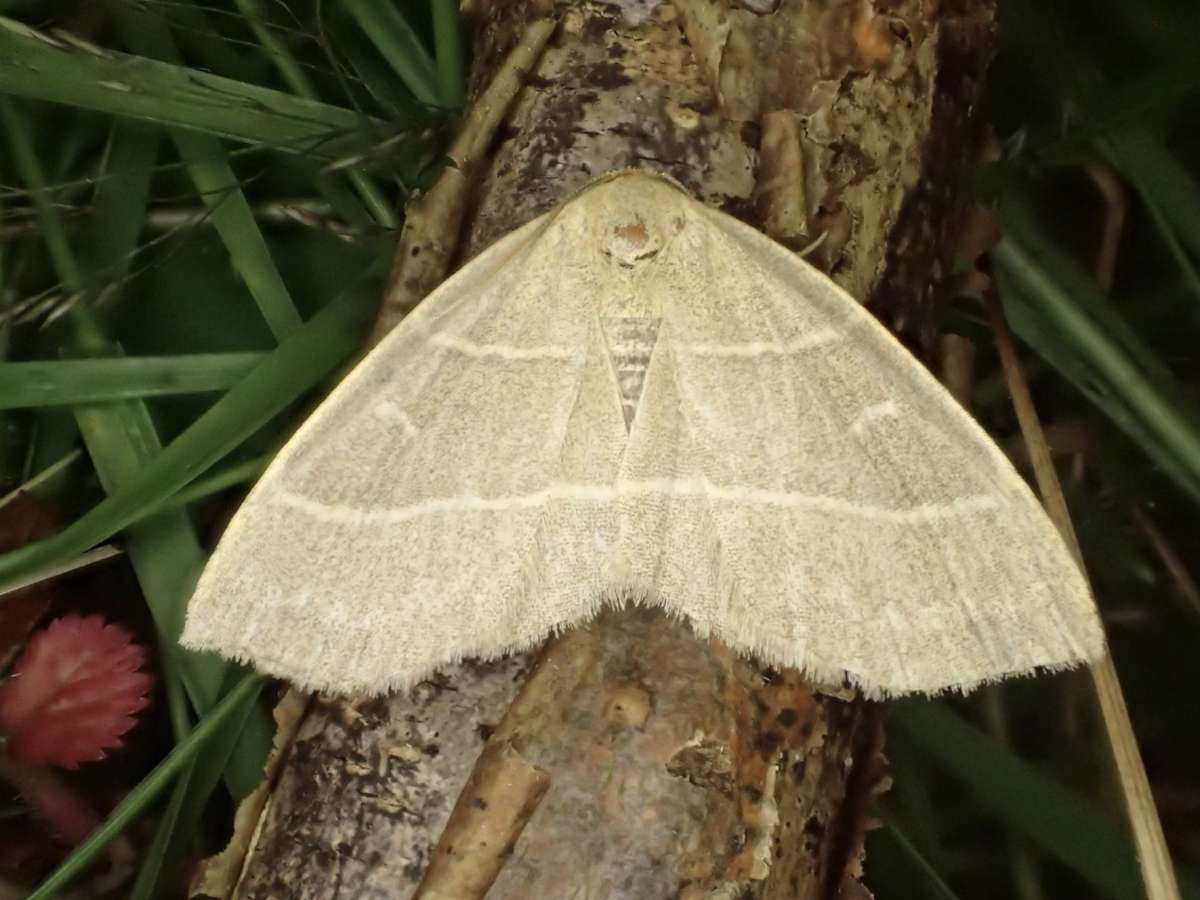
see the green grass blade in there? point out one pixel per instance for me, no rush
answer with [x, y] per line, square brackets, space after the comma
[1057, 309]
[296, 366]
[41, 67]
[121, 437]
[276, 49]
[119, 202]
[297, 80]
[447, 38]
[239, 473]
[52, 436]
[69, 382]
[154, 857]
[18, 131]
[211, 51]
[917, 859]
[34, 481]
[54, 570]
[175, 837]
[1052, 817]
[377, 77]
[911, 807]
[164, 549]
[141, 797]
[155, 854]
[1067, 75]
[1170, 193]
[399, 45]
[221, 192]
[201, 41]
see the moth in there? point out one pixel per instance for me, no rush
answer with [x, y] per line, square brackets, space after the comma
[637, 397]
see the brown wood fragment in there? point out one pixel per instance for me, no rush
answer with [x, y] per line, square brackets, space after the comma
[431, 224]
[780, 197]
[491, 812]
[218, 875]
[1154, 862]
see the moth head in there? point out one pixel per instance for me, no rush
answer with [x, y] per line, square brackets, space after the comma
[632, 217]
[631, 240]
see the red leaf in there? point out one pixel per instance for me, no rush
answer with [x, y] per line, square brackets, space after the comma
[73, 693]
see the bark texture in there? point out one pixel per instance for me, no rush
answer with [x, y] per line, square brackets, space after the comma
[628, 759]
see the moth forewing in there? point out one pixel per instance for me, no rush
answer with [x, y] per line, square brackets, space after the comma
[638, 397]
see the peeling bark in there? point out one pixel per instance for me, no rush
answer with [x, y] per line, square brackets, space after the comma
[628, 758]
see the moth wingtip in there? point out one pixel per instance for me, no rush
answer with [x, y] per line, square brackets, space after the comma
[928, 679]
[977, 681]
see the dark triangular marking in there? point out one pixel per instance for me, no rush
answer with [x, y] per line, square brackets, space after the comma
[630, 346]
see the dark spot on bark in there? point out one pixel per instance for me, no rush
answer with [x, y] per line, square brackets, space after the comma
[905, 292]
[414, 871]
[485, 731]
[401, 768]
[753, 793]
[416, 251]
[609, 76]
[432, 750]
[707, 765]
[751, 134]
[814, 832]
[841, 715]
[737, 841]
[767, 742]
[788, 717]
[502, 135]
[479, 803]
[742, 208]
[617, 51]
[798, 770]
[375, 711]
[597, 26]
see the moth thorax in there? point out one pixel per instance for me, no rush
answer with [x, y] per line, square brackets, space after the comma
[630, 343]
[632, 241]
